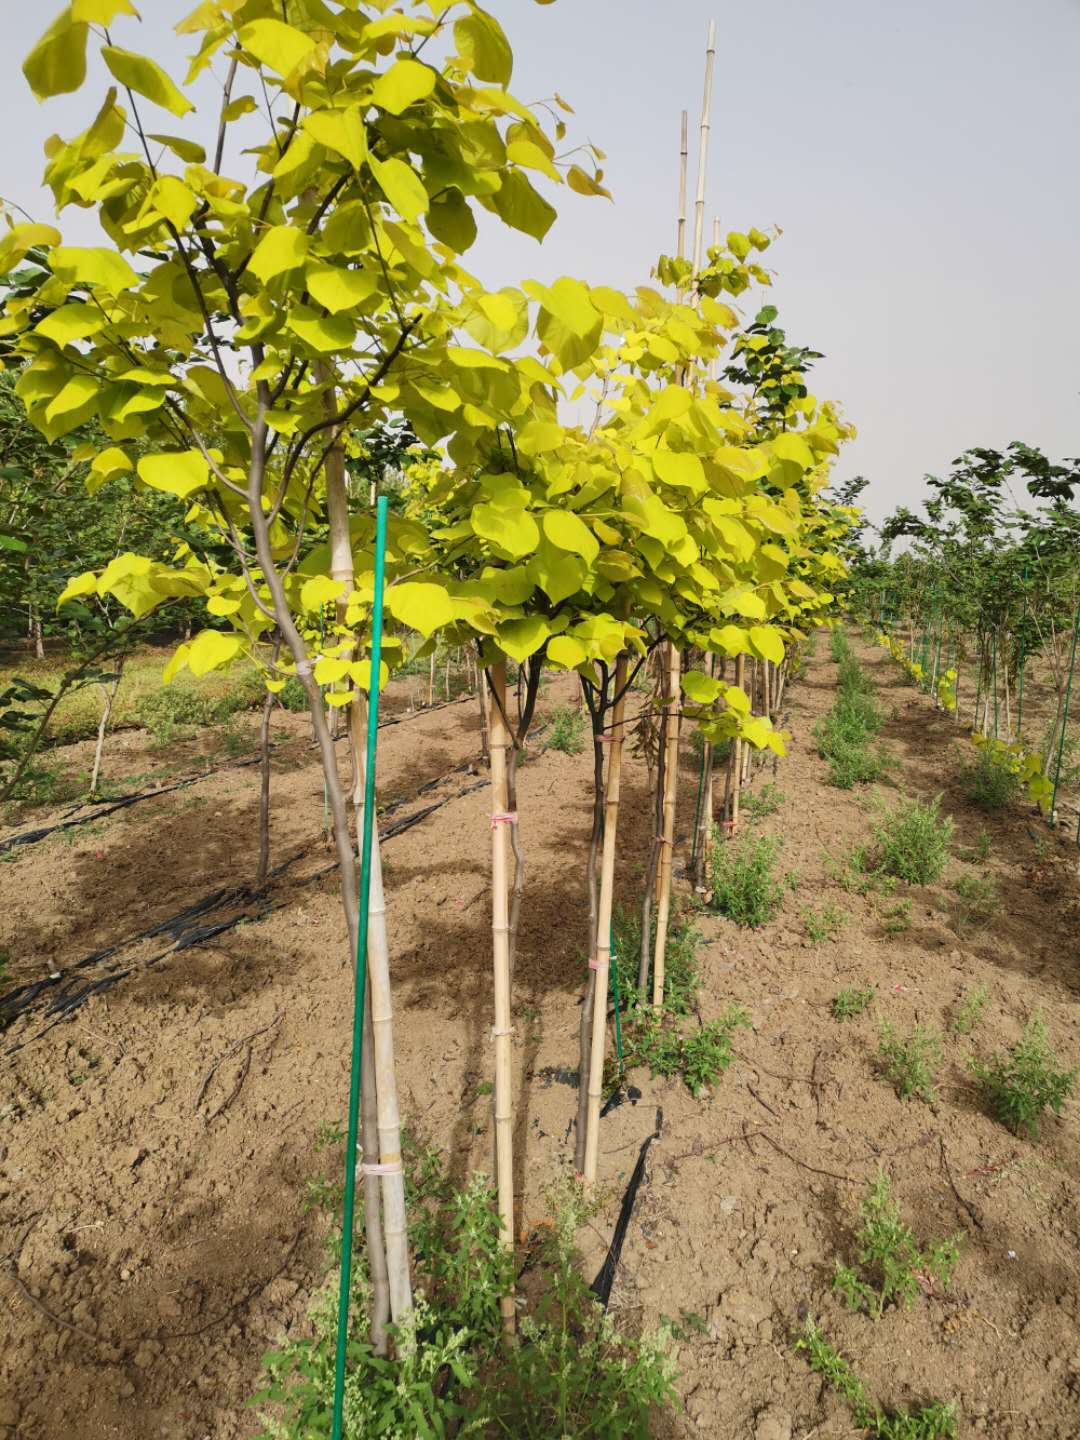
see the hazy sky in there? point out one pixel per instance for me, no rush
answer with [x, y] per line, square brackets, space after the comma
[919, 157]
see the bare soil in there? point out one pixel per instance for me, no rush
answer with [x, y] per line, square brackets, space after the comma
[153, 1219]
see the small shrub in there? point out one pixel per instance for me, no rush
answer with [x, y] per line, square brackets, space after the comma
[896, 1269]
[567, 730]
[1027, 1080]
[912, 842]
[992, 780]
[969, 1011]
[698, 1058]
[847, 1004]
[765, 802]
[823, 924]
[293, 696]
[741, 879]
[910, 1062]
[933, 1421]
[977, 902]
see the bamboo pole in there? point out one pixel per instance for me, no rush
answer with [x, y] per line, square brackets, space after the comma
[602, 963]
[500, 932]
[667, 839]
[684, 157]
[381, 1117]
[703, 147]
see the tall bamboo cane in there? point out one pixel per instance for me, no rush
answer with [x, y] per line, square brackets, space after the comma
[602, 962]
[667, 843]
[703, 147]
[500, 933]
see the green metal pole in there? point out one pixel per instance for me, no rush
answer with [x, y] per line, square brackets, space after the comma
[615, 997]
[995, 686]
[1020, 663]
[1065, 715]
[360, 970]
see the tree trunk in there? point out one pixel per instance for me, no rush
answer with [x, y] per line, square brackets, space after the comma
[103, 725]
[585, 1026]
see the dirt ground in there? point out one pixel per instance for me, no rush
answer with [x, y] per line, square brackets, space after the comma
[151, 1206]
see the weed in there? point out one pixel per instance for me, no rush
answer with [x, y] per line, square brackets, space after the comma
[1020, 1084]
[991, 780]
[698, 1058]
[823, 924]
[848, 1003]
[897, 918]
[969, 1011]
[767, 802]
[682, 978]
[912, 842]
[978, 853]
[293, 696]
[573, 1375]
[934, 1421]
[176, 710]
[897, 1269]
[567, 730]
[741, 878]
[977, 902]
[910, 1062]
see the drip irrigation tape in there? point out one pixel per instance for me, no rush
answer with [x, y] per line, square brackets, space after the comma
[601, 1286]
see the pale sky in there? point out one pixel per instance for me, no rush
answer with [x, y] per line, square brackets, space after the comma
[919, 157]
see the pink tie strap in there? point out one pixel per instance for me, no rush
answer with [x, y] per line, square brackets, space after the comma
[504, 817]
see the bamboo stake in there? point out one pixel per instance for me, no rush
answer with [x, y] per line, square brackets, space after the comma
[684, 156]
[703, 147]
[603, 927]
[500, 933]
[381, 1118]
[667, 842]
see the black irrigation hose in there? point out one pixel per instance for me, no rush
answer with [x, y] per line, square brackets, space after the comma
[601, 1286]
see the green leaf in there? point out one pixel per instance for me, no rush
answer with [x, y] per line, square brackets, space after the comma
[451, 220]
[78, 392]
[565, 650]
[273, 43]
[85, 584]
[11, 542]
[57, 63]
[180, 472]
[211, 649]
[402, 85]
[188, 150]
[104, 466]
[569, 532]
[339, 289]
[341, 131]
[282, 248]
[682, 470]
[320, 590]
[513, 532]
[481, 42]
[531, 157]
[518, 205]
[70, 323]
[21, 238]
[101, 12]
[768, 643]
[145, 77]
[402, 187]
[323, 333]
[93, 265]
[419, 605]
[701, 689]
[521, 638]
[172, 198]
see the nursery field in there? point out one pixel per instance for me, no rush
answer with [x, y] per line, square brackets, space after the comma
[163, 1140]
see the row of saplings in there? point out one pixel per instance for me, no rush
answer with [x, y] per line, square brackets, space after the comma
[455, 1375]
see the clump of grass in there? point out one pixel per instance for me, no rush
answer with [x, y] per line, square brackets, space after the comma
[699, 1057]
[979, 852]
[977, 902]
[991, 780]
[682, 974]
[846, 1004]
[1026, 1080]
[567, 731]
[741, 879]
[969, 1010]
[824, 923]
[844, 735]
[911, 842]
[765, 802]
[896, 1269]
[910, 1062]
[933, 1421]
[896, 919]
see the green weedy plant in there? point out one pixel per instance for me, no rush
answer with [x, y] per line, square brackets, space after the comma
[767, 801]
[910, 1062]
[451, 1373]
[682, 973]
[741, 879]
[897, 918]
[1026, 1080]
[977, 902]
[897, 1269]
[934, 1421]
[847, 1004]
[567, 731]
[990, 780]
[969, 1011]
[844, 735]
[698, 1058]
[912, 842]
[823, 924]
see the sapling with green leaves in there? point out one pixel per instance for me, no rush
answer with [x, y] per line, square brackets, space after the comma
[1021, 1083]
